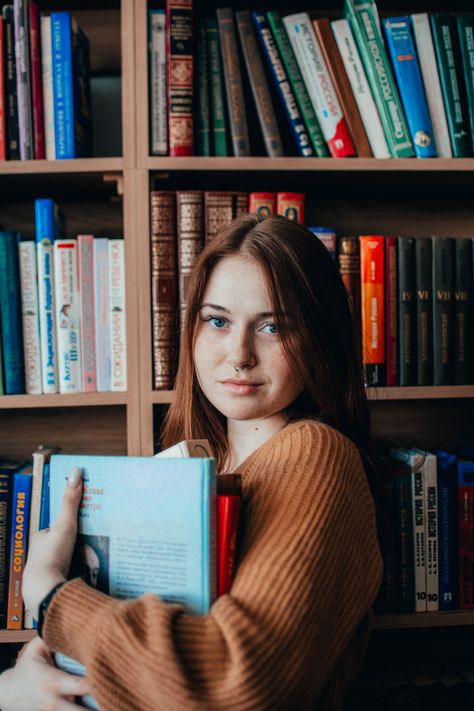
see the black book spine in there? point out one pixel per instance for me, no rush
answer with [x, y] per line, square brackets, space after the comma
[462, 311]
[406, 311]
[6, 488]
[442, 308]
[11, 96]
[424, 311]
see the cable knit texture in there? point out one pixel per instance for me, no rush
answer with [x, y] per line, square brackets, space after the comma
[292, 632]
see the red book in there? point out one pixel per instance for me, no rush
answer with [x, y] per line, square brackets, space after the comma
[391, 301]
[262, 204]
[36, 82]
[179, 28]
[229, 496]
[291, 205]
[372, 272]
[3, 137]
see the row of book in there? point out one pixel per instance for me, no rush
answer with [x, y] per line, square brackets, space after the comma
[62, 307]
[45, 93]
[360, 86]
[429, 549]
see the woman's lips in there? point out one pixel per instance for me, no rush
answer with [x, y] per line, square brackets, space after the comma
[240, 387]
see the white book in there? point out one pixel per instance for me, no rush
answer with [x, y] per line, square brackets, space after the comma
[47, 81]
[430, 487]
[429, 70]
[68, 316]
[158, 76]
[47, 316]
[187, 448]
[117, 315]
[102, 321]
[30, 317]
[360, 87]
[85, 245]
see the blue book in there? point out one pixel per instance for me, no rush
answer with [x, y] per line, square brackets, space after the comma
[283, 86]
[447, 530]
[44, 511]
[22, 483]
[10, 314]
[45, 219]
[406, 68]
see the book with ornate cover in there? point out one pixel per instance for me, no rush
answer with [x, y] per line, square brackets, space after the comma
[406, 311]
[190, 219]
[216, 90]
[424, 310]
[220, 208]
[391, 312]
[258, 84]
[164, 276]
[348, 259]
[262, 204]
[291, 206]
[372, 277]
[36, 81]
[179, 29]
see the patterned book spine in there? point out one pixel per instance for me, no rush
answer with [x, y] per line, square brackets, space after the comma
[216, 90]
[3, 125]
[11, 103]
[10, 314]
[462, 317]
[6, 498]
[85, 248]
[372, 273]
[101, 308]
[203, 128]
[443, 283]
[406, 311]
[18, 547]
[233, 82]
[46, 294]
[190, 214]
[36, 89]
[118, 332]
[259, 85]
[30, 317]
[158, 79]
[47, 79]
[424, 311]
[465, 27]
[391, 307]
[23, 79]
[220, 208]
[348, 259]
[262, 204]
[180, 76]
[426, 56]
[68, 315]
[291, 206]
[164, 274]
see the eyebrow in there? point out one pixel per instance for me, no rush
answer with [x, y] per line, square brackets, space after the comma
[264, 314]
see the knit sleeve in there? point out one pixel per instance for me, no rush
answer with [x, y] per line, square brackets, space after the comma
[308, 574]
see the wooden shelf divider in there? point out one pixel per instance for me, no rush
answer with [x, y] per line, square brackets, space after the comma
[451, 618]
[52, 167]
[10, 402]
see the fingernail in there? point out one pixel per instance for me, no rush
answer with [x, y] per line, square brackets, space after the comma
[74, 477]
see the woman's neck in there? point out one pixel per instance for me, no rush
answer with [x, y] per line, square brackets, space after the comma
[245, 436]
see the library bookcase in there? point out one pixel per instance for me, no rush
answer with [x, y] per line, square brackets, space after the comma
[110, 196]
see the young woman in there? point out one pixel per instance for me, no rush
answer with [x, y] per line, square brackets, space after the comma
[268, 373]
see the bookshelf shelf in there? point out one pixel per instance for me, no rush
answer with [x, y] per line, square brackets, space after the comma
[454, 618]
[51, 167]
[16, 636]
[10, 402]
[429, 392]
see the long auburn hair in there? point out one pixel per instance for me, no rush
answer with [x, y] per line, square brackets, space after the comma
[316, 331]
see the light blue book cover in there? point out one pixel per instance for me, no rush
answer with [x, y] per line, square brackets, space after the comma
[406, 68]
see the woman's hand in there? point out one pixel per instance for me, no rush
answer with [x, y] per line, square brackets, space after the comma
[50, 551]
[35, 683]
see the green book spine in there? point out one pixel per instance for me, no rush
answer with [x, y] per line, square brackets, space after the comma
[404, 533]
[406, 311]
[442, 308]
[297, 83]
[448, 57]
[1, 369]
[362, 18]
[465, 25]
[424, 311]
[216, 89]
[203, 142]
[462, 311]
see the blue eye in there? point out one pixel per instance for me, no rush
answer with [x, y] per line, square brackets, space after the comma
[273, 330]
[217, 322]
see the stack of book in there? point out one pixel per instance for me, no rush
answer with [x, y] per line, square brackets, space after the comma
[360, 86]
[63, 318]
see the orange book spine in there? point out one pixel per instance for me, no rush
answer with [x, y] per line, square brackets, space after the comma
[372, 267]
[291, 205]
[262, 204]
[228, 508]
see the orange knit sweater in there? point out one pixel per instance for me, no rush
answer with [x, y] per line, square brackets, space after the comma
[292, 631]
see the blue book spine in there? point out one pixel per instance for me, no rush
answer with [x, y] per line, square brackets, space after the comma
[10, 314]
[19, 545]
[282, 84]
[63, 96]
[6, 491]
[44, 521]
[447, 529]
[406, 68]
[44, 219]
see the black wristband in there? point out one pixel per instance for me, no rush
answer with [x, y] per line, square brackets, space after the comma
[45, 603]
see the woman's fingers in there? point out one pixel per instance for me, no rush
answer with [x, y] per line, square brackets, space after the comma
[67, 518]
[63, 684]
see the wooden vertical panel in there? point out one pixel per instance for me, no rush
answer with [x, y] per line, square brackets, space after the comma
[142, 99]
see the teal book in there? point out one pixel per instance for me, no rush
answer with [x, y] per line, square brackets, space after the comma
[218, 120]
[10, 314]
[465, 25]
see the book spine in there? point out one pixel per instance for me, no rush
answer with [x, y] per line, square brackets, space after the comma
[3, 125]
[291, 206]
[6, 494]
[387, 598]
[448, 58]
[372, 273]
[447, 523]
[465, 474]
[462, 317]
[233, 82]
[203, 128]
[30, 317]
[431, 532]
[117, 315]
[228, 508]
[47, 80]
[81, 92]
[11, 102]
[465, 27]
[216, 90]
[47, 316]
[19, 544]
[102, 314]
[424, 310]
[36, 88]
[44, 513]
[363, 21]
[348, 260]
[419, 541]
[262, 204]
[319, 85]
[220, 208]
[190, 219]
[158, 78]
[68, 315]
[35, 510]
[23, 79]
[63, 108]
[259, 85]
[298, 87]
[179, 30]
[391, 311]
[420, 24]
[326, 235]
[442, 308]
[164, 281]
[405, 548]
[10, 315]
[342, 87]
[410, 85]
[406, 311]
[360, 87]
[85, 254]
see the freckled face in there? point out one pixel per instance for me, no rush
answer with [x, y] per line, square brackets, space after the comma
[237, 329]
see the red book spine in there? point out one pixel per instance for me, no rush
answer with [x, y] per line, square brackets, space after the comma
[228, 508]
[262, 204]
[179, 28]
[3, 137]
[372, 271]
[391, 300]
[36, 82]
[291, 205]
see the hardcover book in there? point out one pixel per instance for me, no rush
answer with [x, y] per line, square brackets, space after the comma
[463, 307]
[7, 473]
[465, 480]
[391, 311]
[220, 208]
[424, 310]
[406, 311]
[3, 125]
[36, 81]
[372, 275]
[179, 30]
[157, 67]
[10, 314]
[68, 316]
[102, 312]
[117, 315]
[203, 127]
[190, 218]
[23, 79]
[85, 246]
[22, 482]
[291, 206]
[30, 317]
[443, 283]
[11, 102]
[465, 27]
[447, 530]
[216, 90]
[47, 81]
[262, 204]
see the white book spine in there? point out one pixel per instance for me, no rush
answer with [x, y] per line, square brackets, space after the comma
[30, 317]
[47, 316]
[85, 246]
[102, 321]
[360, 87]
[68, 315]
[117, 315]
[419, 547]
[315, 73]
[431, 532]
[429, 71]
[47, 81]
[158, 75]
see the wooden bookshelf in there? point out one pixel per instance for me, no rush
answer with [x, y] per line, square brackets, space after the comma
[11, 402]
[57, 167]
[454, 618]
[16, 636]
